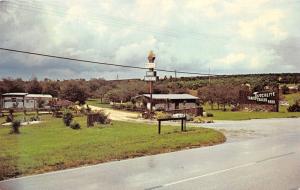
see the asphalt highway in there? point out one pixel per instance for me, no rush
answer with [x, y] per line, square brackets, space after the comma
[268, 161]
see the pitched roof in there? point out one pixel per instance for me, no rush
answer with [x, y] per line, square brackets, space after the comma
[172, 96]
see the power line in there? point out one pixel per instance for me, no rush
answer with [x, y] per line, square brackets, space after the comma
[100, 63]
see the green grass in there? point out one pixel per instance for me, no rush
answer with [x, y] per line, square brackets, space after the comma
[291, 98]
[244, 115]
[51, 146]
[96, 102]
[228, 115]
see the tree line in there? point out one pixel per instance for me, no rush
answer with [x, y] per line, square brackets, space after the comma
[215, 90]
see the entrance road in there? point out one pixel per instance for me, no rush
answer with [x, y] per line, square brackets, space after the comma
[269, 161]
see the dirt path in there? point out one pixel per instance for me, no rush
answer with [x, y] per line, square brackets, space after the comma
[118, 115]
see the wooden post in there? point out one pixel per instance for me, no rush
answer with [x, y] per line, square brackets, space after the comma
[151, 91]
[181, 124]
[277, 98]
[159, 124]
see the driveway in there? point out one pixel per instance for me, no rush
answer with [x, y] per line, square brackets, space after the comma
[255, 128]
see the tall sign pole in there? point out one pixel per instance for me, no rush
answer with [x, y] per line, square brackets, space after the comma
[151, 76]
[277, 97]
[278, 94]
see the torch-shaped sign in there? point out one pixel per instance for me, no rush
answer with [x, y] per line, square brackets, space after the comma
[151, 74]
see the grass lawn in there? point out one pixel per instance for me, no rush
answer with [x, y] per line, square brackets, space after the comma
[96, 102]
[228, 115]
[291, 98]
[51, 146]
[243, 115]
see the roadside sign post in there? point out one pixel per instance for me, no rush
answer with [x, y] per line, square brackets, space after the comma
[151, 75]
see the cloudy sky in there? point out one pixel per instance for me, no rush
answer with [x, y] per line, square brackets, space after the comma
[227, 36]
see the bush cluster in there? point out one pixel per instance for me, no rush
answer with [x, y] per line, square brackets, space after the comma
[67, 118]
[200, 119]
[15, 127]
[162, 115]
[295, 107]
[75, 125]
[209, 115]
[103, 118]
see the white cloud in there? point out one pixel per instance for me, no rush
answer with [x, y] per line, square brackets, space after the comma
[202, 8]
[268, 24]
[232, 59]
[186, 35]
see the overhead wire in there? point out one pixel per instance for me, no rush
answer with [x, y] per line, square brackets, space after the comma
[100, 63]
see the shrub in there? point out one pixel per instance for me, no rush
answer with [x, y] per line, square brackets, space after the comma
[285, 89]
[9, 118]
[198, 119]
[236, 108]
[15, 127]
[11, 111]
[75, 125]
[34, 118]
[209, 115]
[103, 118]
[67, 118]
[295, 107]
[162, 115]
[88, 109]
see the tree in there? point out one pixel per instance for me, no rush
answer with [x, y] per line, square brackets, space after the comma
[95, 84]
[208, 94]
[13, 85]
[285, 89]
[114, 95]
[100, 93]
[74, 91]
[51, 87]
[34, 87]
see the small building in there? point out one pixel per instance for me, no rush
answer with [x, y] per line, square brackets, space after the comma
[167, 102]
[293, 89]
[25, 101]
[34, 101]
[13, 100]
